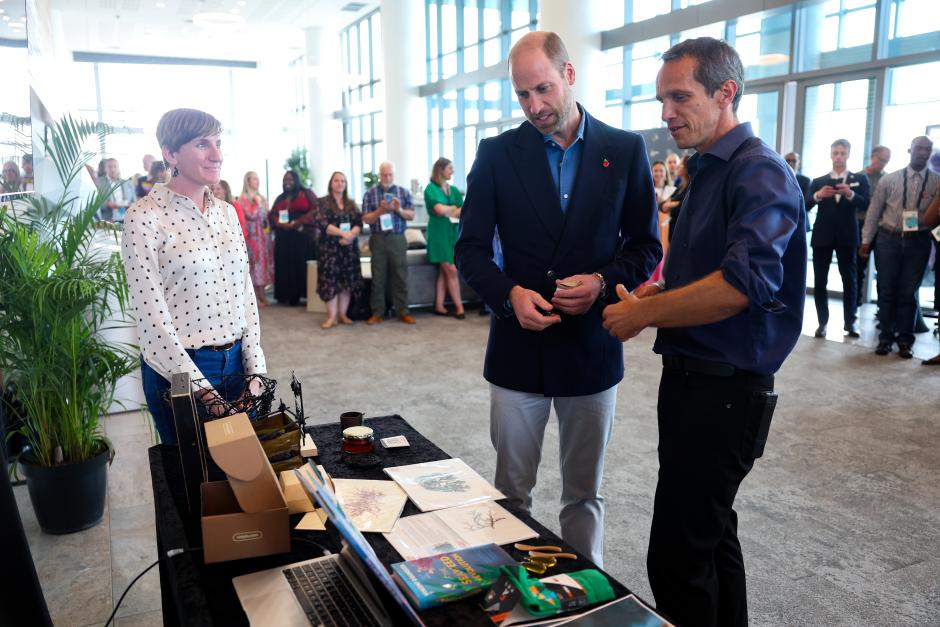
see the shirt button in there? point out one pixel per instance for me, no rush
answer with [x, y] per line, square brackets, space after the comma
[550, 274]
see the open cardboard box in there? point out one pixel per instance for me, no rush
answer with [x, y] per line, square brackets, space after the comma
[246, 515]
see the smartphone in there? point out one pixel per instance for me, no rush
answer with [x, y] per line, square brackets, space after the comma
[388, 197]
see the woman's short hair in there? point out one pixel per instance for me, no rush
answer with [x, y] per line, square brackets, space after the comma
[180, 126]
[437, 171]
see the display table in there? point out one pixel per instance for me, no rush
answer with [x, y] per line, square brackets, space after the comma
[197, 594]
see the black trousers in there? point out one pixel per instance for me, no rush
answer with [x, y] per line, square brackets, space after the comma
[847, 259]
[711, 429]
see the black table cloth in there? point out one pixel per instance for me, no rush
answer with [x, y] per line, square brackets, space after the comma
[194, 593]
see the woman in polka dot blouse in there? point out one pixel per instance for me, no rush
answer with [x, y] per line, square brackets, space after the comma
[187, 269]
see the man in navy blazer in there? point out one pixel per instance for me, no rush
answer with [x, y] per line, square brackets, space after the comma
[838, 196]
[572, 200]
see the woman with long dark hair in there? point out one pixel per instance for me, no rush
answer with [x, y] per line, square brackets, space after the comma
[293, 220]
[339, 274]
[443, 202]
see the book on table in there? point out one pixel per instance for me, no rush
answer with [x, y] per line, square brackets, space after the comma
[432, 581]
[443, 483]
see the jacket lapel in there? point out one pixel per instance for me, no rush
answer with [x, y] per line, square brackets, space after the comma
[528, 156]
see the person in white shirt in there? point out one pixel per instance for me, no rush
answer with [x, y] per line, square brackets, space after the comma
[187, 270]
[122, 194]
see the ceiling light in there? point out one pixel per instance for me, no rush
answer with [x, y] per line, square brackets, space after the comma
[218, 21]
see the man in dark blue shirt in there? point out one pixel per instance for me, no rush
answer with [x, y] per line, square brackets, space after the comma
[728, 314]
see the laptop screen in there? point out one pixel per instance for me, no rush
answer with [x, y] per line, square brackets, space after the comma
[315, 485]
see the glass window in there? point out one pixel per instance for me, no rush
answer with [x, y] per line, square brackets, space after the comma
[763, 41]
[646, 9]
[761, 110]
[836, 32]
[833, 111]
[913, 27]
[716, 30]
[363, 134]
[913, 103]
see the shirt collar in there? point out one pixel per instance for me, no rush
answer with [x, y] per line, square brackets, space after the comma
[724, 148]
[163, 193]
[913, 171]
[548, 139]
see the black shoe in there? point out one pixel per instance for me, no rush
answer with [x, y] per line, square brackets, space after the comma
[851, 329]
[460, 316]
[883, 348]
[904, 351]
[441, 313]
[820, 331]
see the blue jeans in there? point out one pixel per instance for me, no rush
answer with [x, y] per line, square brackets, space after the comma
[900, 262]
[216, 366]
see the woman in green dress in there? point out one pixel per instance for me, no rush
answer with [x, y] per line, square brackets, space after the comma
[443, 202]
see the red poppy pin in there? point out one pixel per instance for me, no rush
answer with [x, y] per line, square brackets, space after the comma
[605, 163]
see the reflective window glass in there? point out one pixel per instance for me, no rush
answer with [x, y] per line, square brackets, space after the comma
[914, 27]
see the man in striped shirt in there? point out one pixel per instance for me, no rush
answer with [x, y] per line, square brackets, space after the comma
[897, 215]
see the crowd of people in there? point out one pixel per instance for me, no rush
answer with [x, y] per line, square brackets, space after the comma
[728, 310]
[14, 179]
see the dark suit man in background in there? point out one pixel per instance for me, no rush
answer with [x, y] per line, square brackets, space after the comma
[793, 160]
[839, 196]
[573, 201]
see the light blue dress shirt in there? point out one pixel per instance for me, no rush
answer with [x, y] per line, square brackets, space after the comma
[563, 163]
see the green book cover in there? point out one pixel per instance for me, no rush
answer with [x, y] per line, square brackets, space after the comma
[439, 579]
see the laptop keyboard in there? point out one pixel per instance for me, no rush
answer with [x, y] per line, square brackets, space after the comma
[326, 596]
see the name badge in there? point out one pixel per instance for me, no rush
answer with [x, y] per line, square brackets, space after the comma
[385, 221]
[909, 220]
[283, 216]
[345, 226]
[936, 233]
[855, 184]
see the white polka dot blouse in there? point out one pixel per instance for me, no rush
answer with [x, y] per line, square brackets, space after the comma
[189, 282]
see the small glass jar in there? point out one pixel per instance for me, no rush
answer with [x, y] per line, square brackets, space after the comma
[358, 440]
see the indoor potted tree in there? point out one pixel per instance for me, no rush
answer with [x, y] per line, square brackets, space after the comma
[57, 290]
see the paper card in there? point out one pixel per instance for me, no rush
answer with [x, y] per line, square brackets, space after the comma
[283, 216]
[385, 221]
[396, 441]
[312, 521]
[373, 506]
[482, 523]
[424, 535]
[345, 226]
[909, 220]
[441, 484]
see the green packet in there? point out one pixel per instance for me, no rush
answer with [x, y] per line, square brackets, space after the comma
[515, 597]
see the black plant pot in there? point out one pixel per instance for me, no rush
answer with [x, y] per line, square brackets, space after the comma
[70, 497]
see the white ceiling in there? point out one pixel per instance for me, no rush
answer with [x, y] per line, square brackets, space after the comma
[273, 29]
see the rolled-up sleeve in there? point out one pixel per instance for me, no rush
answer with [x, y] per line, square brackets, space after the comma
[766, 208]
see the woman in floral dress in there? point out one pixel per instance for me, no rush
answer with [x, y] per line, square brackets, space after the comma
[339, 275]
[260, 256]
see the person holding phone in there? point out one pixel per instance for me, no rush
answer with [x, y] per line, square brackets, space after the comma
[386, 208]
[837, 196]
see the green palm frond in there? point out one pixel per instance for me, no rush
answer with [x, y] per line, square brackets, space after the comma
[57, 290]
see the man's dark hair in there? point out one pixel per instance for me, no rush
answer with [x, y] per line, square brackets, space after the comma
[842, 142]
[717, 62]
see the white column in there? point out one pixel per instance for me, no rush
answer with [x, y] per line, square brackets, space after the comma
[405, 112]
[324, 90]
[578, 25]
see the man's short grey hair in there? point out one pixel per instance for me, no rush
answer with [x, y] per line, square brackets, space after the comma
[842, 142]
[717, 62]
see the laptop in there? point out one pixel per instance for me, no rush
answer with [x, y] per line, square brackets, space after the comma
[329, 590]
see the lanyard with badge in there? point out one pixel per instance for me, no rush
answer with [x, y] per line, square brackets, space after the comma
[385, 220]
[909, 217]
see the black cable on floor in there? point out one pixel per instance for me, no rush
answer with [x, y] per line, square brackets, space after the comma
[169, 554]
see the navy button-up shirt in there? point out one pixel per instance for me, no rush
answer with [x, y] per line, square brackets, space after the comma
[743, 215]
[564, 163]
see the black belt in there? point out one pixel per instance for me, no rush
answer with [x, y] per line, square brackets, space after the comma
[701, 366]
[221, 348]
[901, 234]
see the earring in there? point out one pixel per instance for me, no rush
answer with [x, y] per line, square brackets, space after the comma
[176, 171]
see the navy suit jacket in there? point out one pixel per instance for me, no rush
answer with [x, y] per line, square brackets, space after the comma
[836, 224]
[610, 227]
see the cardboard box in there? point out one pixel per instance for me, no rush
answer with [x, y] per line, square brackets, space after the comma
[245, 516]
[297, 500]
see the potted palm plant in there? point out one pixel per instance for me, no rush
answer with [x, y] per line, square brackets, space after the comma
[57, 290]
